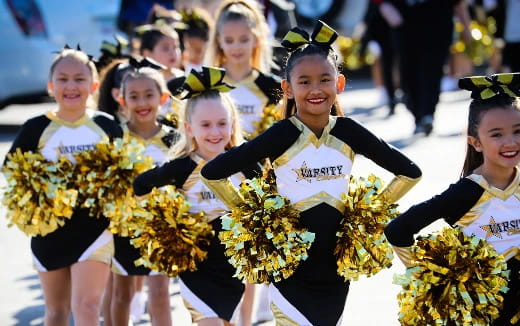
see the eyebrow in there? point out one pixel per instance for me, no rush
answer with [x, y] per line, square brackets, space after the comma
[498, 129]
[322, 75]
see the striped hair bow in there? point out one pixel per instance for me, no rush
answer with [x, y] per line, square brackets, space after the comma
[486, 87]
[323, 35]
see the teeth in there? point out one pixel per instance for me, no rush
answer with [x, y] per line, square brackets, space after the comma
[509, 153]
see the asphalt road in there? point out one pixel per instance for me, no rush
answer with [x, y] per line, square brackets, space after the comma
[372, 301]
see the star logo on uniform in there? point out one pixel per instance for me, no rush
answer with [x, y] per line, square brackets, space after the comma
[300, 173]
[491, 229]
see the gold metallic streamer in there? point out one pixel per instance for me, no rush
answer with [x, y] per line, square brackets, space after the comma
[104, 178]
[351, 52]
[270, 114]
[37, 196]
[457, 280]
[263, 237]
[362, 248]
[170, 239]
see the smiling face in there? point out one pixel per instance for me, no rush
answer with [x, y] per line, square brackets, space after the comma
[498, 139]
[167, 52]
[142, 100]
[210, 124]
[71, 85]
[237, 42]
[313, 84]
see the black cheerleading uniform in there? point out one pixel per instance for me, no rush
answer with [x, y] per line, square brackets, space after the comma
[479, 209]
[82, 235]
[211, 291]
[157, 148]
[252, 94]
[313, 173]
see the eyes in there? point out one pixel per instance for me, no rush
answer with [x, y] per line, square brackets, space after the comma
[76, 79]
[324, 80]
[207, 124]
[242, 40]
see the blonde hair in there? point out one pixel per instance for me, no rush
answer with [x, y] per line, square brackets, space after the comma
[249, 12]
[77, 55]
[186, 145]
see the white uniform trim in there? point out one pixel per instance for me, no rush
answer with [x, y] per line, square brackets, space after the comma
[38, 265]
[286, 307]
[102, 240]
[195, 302]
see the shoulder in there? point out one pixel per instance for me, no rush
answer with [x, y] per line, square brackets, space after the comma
[280, 130]
[40, 120]
[270, 86]
[107, 123]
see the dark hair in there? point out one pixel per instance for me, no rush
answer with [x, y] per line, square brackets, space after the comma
[111, 77]
[144, 72]
[151, 37]
[293, 59]
[477, 109]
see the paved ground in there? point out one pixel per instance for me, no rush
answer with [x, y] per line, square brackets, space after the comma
[371, 302]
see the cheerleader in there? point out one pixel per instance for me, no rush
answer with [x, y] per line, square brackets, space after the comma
[485, 202]
[211, 293]
[312, 152]
[239, 43]
[72, 261]
[142, 92]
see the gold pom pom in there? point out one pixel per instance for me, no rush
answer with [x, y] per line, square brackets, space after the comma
[350, 50]
[170, 239]
[263, 237]
[362, 248]
[37, 197]
[457, 280]
[104, 177]
[270, 115]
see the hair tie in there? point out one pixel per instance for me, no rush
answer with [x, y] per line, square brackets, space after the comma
[486, 87]
[111, 51]
[199, 82]
[323, 36]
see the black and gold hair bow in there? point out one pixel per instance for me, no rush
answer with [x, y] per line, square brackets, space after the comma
[145, 63]
[323, 35]
[486, 87]
[78, 48]
[199, 82]
[111, 51]
[193, 20]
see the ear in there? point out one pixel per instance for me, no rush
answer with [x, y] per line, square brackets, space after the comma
[50, 88]
[121, 101]
[115, 94]
[94, 86]
[164, 98]
[340, 83]
[473, 141]
[286, 86]
[187, 129]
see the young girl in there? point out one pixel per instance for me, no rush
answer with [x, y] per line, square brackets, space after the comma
[143, 90]
[73, 261]
[210, 293]
[161, 43]
[485, 201]
[194, 37]
[240, 44]
[312, 153]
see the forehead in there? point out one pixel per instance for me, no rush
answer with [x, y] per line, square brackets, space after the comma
[500, 118]
[236, 27]
[210, 109]
[312, 65]
[166, 40]
[141, 83]
[71, 66]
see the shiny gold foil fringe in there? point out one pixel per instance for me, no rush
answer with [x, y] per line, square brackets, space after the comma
[456, 280]
[263, 237]
[362, 248]
[171, 240]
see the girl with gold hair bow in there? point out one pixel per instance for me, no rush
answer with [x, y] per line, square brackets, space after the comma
[312, 152]
[211, 126]
[465, 272]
